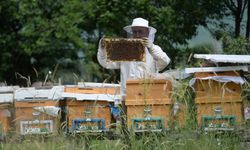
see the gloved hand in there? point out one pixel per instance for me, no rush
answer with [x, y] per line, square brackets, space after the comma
[147, 43]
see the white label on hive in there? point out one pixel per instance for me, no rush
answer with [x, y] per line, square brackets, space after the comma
[36, 127]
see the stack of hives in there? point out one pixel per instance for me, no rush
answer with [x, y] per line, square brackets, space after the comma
[88, 106]
[6, 108]
[219, 104]
[218, 95]
[37, 110]
[148, 104]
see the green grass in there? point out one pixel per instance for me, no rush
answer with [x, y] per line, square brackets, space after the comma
[181, 140]
[186, 138]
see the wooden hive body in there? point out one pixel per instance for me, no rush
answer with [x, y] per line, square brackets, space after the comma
[214, 96]
[31, 110]
[154, 95]
[88, 110]
[205, 89]
[29, 120]
[82, 105]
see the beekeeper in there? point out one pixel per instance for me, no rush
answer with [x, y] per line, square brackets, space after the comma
[156, 59]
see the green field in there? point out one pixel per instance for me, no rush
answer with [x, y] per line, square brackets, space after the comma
[181, 140]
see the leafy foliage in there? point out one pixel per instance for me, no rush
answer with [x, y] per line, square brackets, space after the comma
[49, 35]
[238, 45]
[41, 31]
[177, 21]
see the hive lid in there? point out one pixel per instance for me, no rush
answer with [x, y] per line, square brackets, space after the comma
[6, 93]
[32, 93]
[8, 89]
[6, 98]
[223, 79]
[216, 69]
[224, 58]
[97, 85]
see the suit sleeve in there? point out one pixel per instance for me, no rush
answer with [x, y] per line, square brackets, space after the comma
[162, 59]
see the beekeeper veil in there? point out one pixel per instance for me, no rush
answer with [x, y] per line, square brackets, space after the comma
[140, 22]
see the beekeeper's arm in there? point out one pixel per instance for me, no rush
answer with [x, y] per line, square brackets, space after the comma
[162, 59]
[102, 58]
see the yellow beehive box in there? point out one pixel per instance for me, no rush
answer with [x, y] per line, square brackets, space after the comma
[219, 91]
[218, 94]
[227, 109]
[148, 103]
[149, 90]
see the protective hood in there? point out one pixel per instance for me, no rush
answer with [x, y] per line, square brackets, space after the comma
[140, 22]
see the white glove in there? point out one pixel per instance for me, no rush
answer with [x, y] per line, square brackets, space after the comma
[147, 43]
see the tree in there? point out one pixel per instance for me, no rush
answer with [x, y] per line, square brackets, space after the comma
[49, 35]
[177, 21]
[237, 9]
[37, 34]
[248, 20]
[239, 46]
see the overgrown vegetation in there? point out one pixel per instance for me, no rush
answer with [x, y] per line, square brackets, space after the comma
[168, 141]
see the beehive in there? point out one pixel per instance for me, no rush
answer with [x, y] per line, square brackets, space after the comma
[6, 108]
[124, 49]
[219, 104]
[148, 104]
[88, 106]
[37, 110]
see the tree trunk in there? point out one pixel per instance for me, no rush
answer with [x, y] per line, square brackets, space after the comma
[248, 21]
[238, 18]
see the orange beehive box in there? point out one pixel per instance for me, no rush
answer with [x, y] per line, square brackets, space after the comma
[148, 104]
[213, 95]
[6, 108]
[88, 106]
[37, 110]
[78, 110]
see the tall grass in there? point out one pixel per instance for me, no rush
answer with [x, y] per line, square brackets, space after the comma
[168, 141]
[186, 138]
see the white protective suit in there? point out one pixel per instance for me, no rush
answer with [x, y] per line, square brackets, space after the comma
[156, 60]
